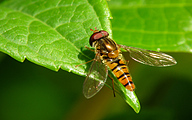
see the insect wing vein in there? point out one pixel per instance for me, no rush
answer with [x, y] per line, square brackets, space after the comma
[95, 79]
[149, 57]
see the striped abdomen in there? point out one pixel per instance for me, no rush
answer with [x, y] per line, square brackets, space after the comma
[122, 73]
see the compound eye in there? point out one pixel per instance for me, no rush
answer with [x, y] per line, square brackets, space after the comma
[97, 35]
[104, 33]
[94, 37]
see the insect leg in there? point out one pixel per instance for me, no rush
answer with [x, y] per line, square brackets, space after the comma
[87, 61]
[113, 85]
[84, 63]
[127, 62]
[89, 49]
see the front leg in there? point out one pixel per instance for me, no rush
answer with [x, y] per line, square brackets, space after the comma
[89, 49]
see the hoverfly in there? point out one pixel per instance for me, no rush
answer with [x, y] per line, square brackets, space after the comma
[108, 54]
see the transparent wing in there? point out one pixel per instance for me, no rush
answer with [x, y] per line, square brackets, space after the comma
[149, 57]
[95, 79]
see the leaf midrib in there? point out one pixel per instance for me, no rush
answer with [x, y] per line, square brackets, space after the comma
[44, 23]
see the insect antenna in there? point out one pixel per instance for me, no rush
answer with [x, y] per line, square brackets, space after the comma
[94, 31]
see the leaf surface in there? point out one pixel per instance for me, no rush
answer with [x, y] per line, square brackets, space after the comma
[50, 33]
[153, 24]
[53, 34]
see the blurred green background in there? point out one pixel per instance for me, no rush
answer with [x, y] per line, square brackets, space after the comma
[32, 92]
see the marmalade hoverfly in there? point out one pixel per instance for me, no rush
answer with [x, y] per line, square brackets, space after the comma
[108, 54]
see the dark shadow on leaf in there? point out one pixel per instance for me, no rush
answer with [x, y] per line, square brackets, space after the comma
[89, 54]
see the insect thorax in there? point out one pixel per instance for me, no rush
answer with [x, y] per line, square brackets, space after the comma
[108, 50]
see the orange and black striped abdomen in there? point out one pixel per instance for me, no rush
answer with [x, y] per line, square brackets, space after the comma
[122, 73]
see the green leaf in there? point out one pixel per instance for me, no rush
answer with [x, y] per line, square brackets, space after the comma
[129, 96]
[53, 34]
[153, 24]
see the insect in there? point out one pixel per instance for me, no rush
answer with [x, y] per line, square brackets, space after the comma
[108, 55]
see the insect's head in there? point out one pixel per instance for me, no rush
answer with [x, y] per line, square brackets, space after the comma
[97, 35]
